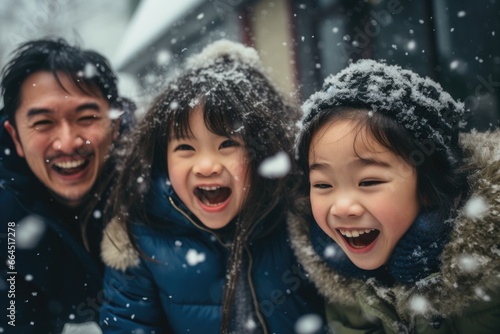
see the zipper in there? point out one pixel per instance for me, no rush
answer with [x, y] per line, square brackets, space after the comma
[252, 290]
[250, 259]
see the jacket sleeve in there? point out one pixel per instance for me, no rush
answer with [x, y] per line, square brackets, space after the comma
[132, 302]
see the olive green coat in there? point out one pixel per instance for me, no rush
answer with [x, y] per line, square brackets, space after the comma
[463, 297]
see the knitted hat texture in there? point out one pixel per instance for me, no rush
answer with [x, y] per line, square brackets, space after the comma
[418, 103]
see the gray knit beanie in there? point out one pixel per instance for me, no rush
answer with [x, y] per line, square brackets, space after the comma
[419, 104]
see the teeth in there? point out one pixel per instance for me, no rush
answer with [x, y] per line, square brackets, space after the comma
[69, 164]
[354, 233]
[209, 188]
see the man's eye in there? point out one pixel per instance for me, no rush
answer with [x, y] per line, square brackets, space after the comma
[41, 124]
[87, 119]
[229, 143]
[184, 147]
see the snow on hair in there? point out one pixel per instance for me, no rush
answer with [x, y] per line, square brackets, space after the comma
[235, 51]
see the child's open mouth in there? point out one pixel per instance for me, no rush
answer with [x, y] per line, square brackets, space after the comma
[213, 195]
[70, 167]
[359, 238]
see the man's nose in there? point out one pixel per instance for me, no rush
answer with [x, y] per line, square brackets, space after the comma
[67, 139]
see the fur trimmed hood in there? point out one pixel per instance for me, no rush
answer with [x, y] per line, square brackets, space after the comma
[470, 267]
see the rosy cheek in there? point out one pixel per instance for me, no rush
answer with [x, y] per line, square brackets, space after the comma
[238, 170]
[317, 210]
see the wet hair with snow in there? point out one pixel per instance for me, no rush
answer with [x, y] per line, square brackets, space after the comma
[409, 115]
[237, 97]
[58, 57]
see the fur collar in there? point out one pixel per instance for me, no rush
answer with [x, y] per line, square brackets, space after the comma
[117, 251]
[470, 261]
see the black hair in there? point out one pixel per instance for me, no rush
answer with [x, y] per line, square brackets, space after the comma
[58, 57]
[236, 98]
[441, 184]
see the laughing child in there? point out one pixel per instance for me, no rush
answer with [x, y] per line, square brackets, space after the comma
[199, 241]
[401, 228]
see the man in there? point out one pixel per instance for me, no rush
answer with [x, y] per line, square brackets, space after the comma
[60, 120]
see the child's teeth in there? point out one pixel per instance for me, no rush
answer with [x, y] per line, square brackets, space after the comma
[354, 233]
[209, 188]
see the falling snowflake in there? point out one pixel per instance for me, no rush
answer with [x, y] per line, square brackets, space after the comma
[193, 257]
[308, 324]
[468, 263]
[475, 207]
[329, 251]
[411, 45]
[276, 166]
[89, 71]
[115, 113]
[250, 324]
[419, 304]
[97, 214]
[163, 57]
[29, 232]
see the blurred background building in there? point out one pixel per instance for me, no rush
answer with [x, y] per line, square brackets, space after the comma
[455, 42]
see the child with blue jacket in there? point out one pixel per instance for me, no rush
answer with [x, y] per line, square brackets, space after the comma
[198, 242]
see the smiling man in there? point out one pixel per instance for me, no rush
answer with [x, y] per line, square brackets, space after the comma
[58, 126]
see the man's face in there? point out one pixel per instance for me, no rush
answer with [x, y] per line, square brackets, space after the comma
[63, 134]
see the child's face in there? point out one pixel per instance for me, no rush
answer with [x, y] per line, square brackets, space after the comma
[363, 197]
[209, 173]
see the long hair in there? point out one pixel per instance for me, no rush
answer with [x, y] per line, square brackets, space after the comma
[236, 97]
[441, 185]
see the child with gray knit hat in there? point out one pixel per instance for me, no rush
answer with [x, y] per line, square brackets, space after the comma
[398, 216]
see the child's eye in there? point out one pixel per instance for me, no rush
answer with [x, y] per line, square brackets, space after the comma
[184, 147]
[321, 186]
[229, 143]
[370, 183]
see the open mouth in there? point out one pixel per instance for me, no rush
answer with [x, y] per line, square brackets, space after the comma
[212, 196]
[70, 167]
[360, 238]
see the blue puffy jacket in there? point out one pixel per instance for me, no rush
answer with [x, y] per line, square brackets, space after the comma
[180, 288]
